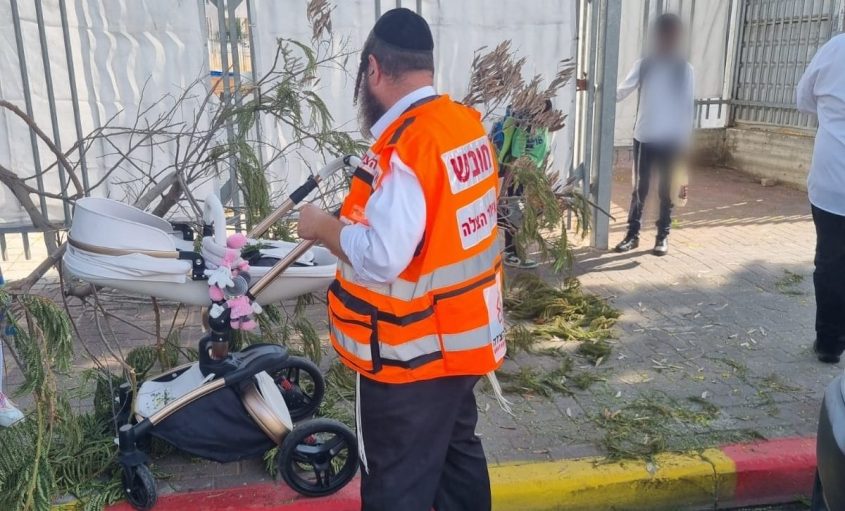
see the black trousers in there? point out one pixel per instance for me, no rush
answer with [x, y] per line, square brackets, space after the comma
[507, 222]
[421, 448]
[652, 159]
[829, 280]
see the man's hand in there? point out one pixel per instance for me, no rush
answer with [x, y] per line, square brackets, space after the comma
[316, 224]
[312, 222]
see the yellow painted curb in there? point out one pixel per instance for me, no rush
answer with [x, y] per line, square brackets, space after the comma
[594, 485]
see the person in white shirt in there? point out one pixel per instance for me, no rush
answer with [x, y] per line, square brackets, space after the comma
[665, 111]
[821, 92]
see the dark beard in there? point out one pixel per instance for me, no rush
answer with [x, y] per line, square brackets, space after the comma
[370, 109]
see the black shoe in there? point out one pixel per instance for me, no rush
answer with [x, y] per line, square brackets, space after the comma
[661, 246]
[629, 243]
[823, 356]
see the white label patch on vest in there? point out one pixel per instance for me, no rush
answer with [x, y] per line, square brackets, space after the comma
[469, 164]
[496, 318]
[477, 219]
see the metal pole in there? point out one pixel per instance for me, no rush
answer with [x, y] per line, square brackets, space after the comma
[803, 119]
[771, 41]
[800, 63]
[27, 97]
[234, 44]
[609, 53]
[230, 132]
[591, 94]
[760, 62]
[378, 9]
[51, 101]
[736, 67]
[788, 66]
[74, 96]
[253, 60]
[752, 65]
[419, 7]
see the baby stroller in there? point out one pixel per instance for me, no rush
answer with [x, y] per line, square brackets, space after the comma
[227, 406]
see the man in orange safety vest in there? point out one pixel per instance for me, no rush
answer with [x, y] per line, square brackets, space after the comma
[416, 308]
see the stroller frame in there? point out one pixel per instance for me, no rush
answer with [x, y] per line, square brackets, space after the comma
[298, 446]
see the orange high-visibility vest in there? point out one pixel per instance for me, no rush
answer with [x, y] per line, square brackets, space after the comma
[443, 315]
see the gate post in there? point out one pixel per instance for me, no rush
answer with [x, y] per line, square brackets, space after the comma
[607, 54]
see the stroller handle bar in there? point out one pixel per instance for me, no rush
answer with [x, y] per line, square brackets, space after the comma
[300, 193]
[295, 198]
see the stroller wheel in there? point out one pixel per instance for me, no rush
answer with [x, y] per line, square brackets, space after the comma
[302, 385]
[139, 485]
[318, 457]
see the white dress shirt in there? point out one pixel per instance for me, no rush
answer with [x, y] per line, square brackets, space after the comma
[821, 92]
[667, 101]
[396, 213]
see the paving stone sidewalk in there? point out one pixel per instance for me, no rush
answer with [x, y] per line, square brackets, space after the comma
[724, 324]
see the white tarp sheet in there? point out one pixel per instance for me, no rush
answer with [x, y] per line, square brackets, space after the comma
[543, 33]
[129, 53]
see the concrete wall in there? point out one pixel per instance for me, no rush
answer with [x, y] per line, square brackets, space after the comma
[774, 153]
[777, 154]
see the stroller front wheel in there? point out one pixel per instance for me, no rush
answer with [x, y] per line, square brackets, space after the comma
[319, 457]
[302, 386]
[139, 485]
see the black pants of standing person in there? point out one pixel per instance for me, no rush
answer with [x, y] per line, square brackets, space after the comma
[650, 160]
[507, 222]
[420, 447]
[829, 280]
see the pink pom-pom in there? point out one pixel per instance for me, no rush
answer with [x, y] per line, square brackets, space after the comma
[248, 324]
[215, 293]
[236, 241]
[230, 257]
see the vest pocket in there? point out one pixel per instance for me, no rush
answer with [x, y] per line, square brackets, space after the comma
[377, 338]
[470, 326]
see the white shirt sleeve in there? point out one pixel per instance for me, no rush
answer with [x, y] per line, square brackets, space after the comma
[805, 97]
[396, 214]
[630, 83]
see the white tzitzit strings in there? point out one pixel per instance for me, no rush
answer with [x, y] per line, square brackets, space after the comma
[497, 391]
[362, 454]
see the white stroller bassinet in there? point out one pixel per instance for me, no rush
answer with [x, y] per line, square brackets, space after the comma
[115, 245]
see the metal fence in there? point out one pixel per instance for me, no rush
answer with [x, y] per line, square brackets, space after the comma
[40, 63]
[778, 39]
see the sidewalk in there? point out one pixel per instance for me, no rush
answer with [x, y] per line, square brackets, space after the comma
[713, 342]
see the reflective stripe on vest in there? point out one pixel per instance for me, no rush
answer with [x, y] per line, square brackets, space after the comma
[453, 274]
[407, 353]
